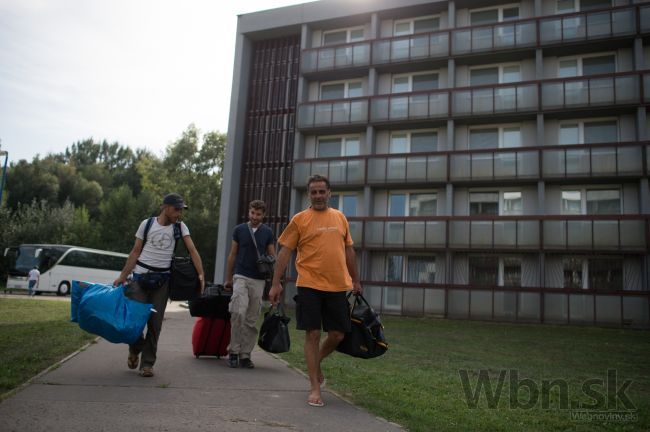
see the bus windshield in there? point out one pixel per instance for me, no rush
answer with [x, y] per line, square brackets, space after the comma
[23, 258]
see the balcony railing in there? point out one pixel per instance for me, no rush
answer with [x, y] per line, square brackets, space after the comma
[328, 58]
[491, 37]
[594, 160]
[576, 233]
[588, 25]
[626, 233]
[618, 89]
[333, 113]
[644, 14]
[495, 164]
[341, 171]
[411, 106]
[412, 47]
[407, 168]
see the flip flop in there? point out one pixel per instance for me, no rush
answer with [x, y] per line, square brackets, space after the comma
[318, 403]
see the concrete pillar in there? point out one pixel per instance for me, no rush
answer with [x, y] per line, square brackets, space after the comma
[539, 64]
[449, 200]
[538, 8]
[539, 135]
[451, 73]
[451, 12]
[641, 122]
[639, 59]
[451, 135]
[374, 26]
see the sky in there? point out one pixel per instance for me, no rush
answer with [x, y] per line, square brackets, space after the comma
[133, 71]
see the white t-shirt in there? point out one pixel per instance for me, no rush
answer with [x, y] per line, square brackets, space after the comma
[34, 274]
[159, 248]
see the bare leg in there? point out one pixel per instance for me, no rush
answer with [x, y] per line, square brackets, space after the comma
[312, 358]
[329, 344]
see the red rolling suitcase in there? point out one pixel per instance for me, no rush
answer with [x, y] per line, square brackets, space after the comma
[210, 337]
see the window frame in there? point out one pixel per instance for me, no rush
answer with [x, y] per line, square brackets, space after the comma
[340, 196]
[407, 201]
[411, 22]
[500, 201]
[580, 58]
[348, 35]
[581, 128]
[409, 134]
[500, 9]
[583, 198]
[501, 129]
[500, 67]
[500, 268]
[576, 7]
[410, 76]
[585, 262]
[346, 88]
[343, 140]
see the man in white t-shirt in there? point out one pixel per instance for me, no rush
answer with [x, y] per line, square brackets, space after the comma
[150, 262]
[33, 279]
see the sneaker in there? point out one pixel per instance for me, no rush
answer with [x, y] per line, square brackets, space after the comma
[246, 363]
[146, 372]
[233, 360]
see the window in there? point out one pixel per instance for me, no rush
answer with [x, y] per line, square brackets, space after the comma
[417, 25]
[341, 90]
[494, 15]
[567, 6]
[335, 37]
[337, 146]
[591, 202]
[483, 203]
[587, 65]
[491, 270]
[345, 203]
[415, 82]
[411, 268]
[419, 204]
[495, 75]
[496, 137]
[413, 142]
[588, 132]
[512, 204]
[602, 273]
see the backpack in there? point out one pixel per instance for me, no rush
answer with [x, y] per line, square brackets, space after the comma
[177, 236]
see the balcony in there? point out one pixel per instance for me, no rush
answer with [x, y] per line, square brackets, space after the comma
[329, 58]
[340, 171]
[618, 159]
[338, 112]
[413, 168]
[644, 13]
[495, 164]
[505, 232]
[401, 233]
[583, 26]
[601, 90]
[499, 99]
[595, 233]
[409, 48]
[410, 106]
[493, 37]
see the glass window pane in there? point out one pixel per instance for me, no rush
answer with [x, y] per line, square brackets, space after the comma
[599, 65]
[569, 134]
[334, 201]
[484, 203]
[424, 142]
[400, 84]
[511, 137]
[425, 82]
[398, 143]
[351, 147]
[594, 4]
[485, 76]
[350, 205]
[397, 205]
[572, 267]
[511, 271]
[565, 6]
[483, 139]
[512, 203]
[568, 68]
[355, 89]
[332, 91]
[601, 132]
[356, 35]
[421, 269]
[511, 13]
[571, 203]
[402, 28]
[336, 37]
[426, 25]
[603, 201]
[394, 268]
[329, 148]
[511, 74]
[422, 204]
[483, 270]
[606, 274]
[484, 17]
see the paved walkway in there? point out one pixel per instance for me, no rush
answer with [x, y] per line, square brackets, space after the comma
[95, 391]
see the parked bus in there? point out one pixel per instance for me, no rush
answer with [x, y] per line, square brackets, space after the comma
[60, 265]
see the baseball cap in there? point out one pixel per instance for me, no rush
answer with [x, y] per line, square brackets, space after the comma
[175, 200]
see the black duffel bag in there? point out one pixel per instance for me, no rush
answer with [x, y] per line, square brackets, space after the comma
[184, 283]
[366, 338]
[274, 333]
[213, 303]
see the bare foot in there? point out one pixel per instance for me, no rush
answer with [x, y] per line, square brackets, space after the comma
[314, 399]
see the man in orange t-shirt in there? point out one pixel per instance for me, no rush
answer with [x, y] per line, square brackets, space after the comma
[327, 268]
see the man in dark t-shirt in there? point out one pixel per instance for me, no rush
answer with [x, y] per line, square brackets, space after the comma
[247, 283]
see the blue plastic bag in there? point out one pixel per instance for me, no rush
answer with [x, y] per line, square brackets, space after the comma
[76, 293]
[106, 312]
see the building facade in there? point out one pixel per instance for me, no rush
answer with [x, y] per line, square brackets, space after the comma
[492, 157]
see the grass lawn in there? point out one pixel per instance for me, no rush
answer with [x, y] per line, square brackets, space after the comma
[34, 334]
[418, 384]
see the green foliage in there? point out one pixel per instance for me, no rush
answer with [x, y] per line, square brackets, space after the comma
[95, 194]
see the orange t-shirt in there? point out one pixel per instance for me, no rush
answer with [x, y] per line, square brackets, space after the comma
[320, 238]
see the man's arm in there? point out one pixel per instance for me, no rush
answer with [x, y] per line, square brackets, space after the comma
[351, 263]
[270, 250]
[281, 263]
[130, 262]
[196, 259]
[230, 264]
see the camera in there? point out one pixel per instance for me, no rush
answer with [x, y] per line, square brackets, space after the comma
[265, 264]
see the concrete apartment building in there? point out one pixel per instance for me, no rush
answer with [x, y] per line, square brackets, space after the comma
[492, 157]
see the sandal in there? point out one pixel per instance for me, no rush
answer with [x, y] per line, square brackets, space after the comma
[146, 372]
[132, 361]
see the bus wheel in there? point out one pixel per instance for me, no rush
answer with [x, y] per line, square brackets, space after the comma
[64, 289]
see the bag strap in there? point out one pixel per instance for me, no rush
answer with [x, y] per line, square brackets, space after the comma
[250, 230]
[147, 227]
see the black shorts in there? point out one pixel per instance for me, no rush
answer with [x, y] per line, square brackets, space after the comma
[315, 308]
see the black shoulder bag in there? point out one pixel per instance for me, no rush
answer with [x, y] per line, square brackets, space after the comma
[274, 333]
[265, 263]
[366, 337]
[184, 283]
